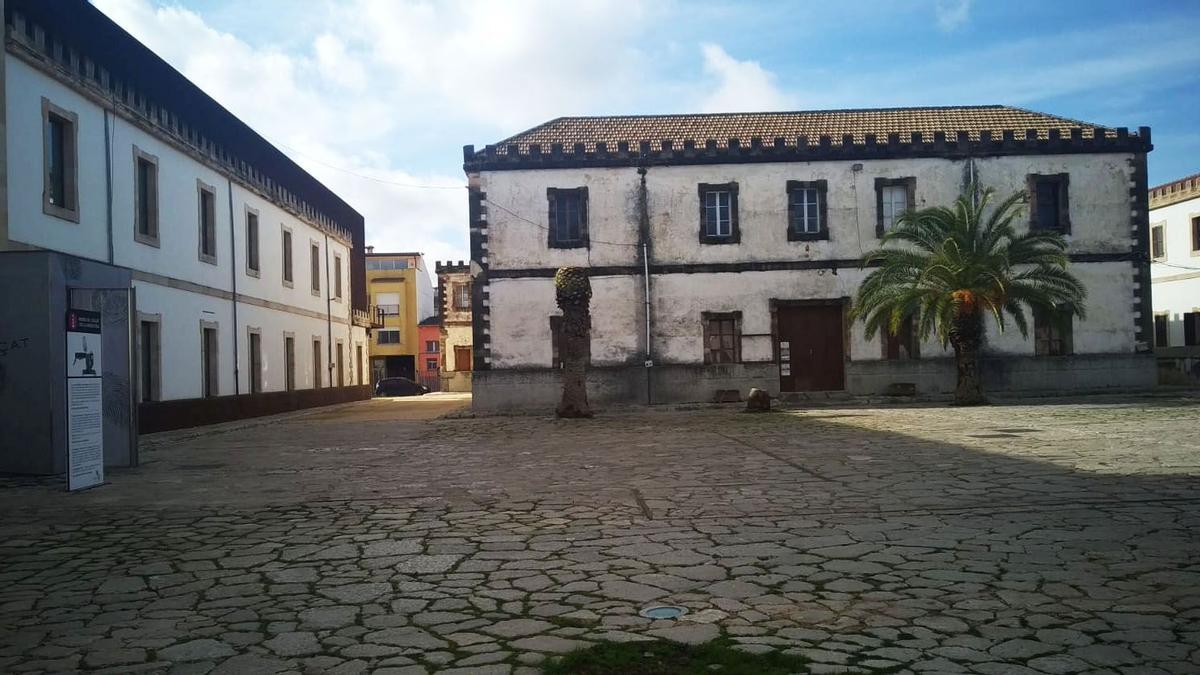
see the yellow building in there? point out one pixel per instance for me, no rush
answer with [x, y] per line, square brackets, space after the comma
[402, 290]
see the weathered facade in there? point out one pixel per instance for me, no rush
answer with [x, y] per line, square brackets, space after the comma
[1175, 274]
[724, 249]
[226, 274]
[455, 298]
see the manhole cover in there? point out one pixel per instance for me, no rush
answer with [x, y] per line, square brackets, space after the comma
[663, 612]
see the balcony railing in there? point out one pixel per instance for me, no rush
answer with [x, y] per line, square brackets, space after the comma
[371, 318]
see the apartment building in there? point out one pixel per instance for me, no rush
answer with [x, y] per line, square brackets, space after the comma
[1175, 275]
[402, 291]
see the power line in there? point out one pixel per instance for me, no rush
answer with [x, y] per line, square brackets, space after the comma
[546, 228]
[1182, 267]
[369, 177]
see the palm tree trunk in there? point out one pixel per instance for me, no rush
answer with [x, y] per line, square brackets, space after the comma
[967, 337]
[575, 338]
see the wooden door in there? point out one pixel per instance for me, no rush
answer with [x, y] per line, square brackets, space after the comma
[810, 347]
[462, 358]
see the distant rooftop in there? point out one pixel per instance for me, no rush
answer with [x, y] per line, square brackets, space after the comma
[1180, 190]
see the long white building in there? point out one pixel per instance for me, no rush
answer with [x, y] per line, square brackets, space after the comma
[1175, 274]
[231, 281]
[724, 249]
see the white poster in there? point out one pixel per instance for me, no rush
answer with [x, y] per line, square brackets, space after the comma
[85, 389]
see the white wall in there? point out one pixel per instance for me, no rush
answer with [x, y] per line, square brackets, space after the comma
[179, 286]
[519, 308]
[1099, 207]
[1176, 279]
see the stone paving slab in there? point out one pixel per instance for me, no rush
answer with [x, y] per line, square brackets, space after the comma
[1059, 538]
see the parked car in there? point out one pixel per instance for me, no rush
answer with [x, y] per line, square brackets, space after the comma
[399, 386]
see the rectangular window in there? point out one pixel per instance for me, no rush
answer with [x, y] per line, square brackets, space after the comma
[1052, 332]
[209, 361]
[1162, 330]
[337, 277]
[1191, 329]
[1048, 202]
[316, 353]
[207, 215]
[256, 368]
[388, 336]
[149, 359]
[462, 358]
[568, 217]
[340, 352]
[722, 337]
[431, 346]
[806, 210]
[1158, 244]
[287, 257]
[145, 208]
[374, 265]
[462, 296]
[289, 363]
[388, 303]
[315, 267]
[893, 196]
[904, 344]
[60, 194]
[718, 213]
[431, 365]
[1196, 235]
[252, 267]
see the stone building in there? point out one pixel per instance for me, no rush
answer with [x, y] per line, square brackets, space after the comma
[1175, 275]
[454, 303]
[402, 293]
[724, 249]
[229, 279]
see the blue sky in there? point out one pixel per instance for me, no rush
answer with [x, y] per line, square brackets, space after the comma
[366, 94]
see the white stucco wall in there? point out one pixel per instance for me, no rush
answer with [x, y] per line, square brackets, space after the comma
[1176, 278]
[519, 307]
[177, 285]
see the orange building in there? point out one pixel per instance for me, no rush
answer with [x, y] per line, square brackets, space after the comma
[429, 362]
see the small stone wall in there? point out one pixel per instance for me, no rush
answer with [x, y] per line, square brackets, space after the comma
[195, 412]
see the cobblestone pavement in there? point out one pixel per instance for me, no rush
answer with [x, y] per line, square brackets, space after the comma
[1050, 538]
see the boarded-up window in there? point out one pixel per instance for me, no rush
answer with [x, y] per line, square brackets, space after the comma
[1052, 332]
[722, 337]
[1191, 329]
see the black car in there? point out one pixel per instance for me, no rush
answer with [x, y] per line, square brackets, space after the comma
[399, 386]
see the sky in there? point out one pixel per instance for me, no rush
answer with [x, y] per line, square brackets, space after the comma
[377, 97]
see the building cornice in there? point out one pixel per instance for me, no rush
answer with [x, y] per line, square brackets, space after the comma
[1175, 192]
[993, 143]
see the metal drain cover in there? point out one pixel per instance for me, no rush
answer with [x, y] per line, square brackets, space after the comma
[663, 612]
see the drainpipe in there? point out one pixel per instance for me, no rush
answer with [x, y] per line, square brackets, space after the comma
[108, 181]
[644, 236]
[237, 385]
[328, 312]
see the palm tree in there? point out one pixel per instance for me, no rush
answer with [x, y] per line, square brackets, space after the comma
[957, 264]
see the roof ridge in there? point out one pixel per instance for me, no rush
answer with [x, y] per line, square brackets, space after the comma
[988, 106]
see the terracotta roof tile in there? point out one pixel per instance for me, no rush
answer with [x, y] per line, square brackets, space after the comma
[790, 125]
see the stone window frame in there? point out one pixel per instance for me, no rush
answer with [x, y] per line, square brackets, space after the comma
[314, 265]
[248, 213]
[156, 357]
[70, 160]
[1062, 324]
[1063, 182]
[287, 244]
[1194, 232]
[735, 234]
[204, 365]
[256, 383]
[289, 368]
[910, 192]
[151, 238]
[1161, 229]
[885, 338]
[822, 188]
[707, 319]
[552, 240]
[337, 277]
[203, 188]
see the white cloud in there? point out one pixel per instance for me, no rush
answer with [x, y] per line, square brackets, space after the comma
[952, 14]
[740, 85]
[336, 66]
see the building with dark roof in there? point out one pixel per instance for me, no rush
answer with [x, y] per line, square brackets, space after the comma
[724, 248]
[230, 280]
